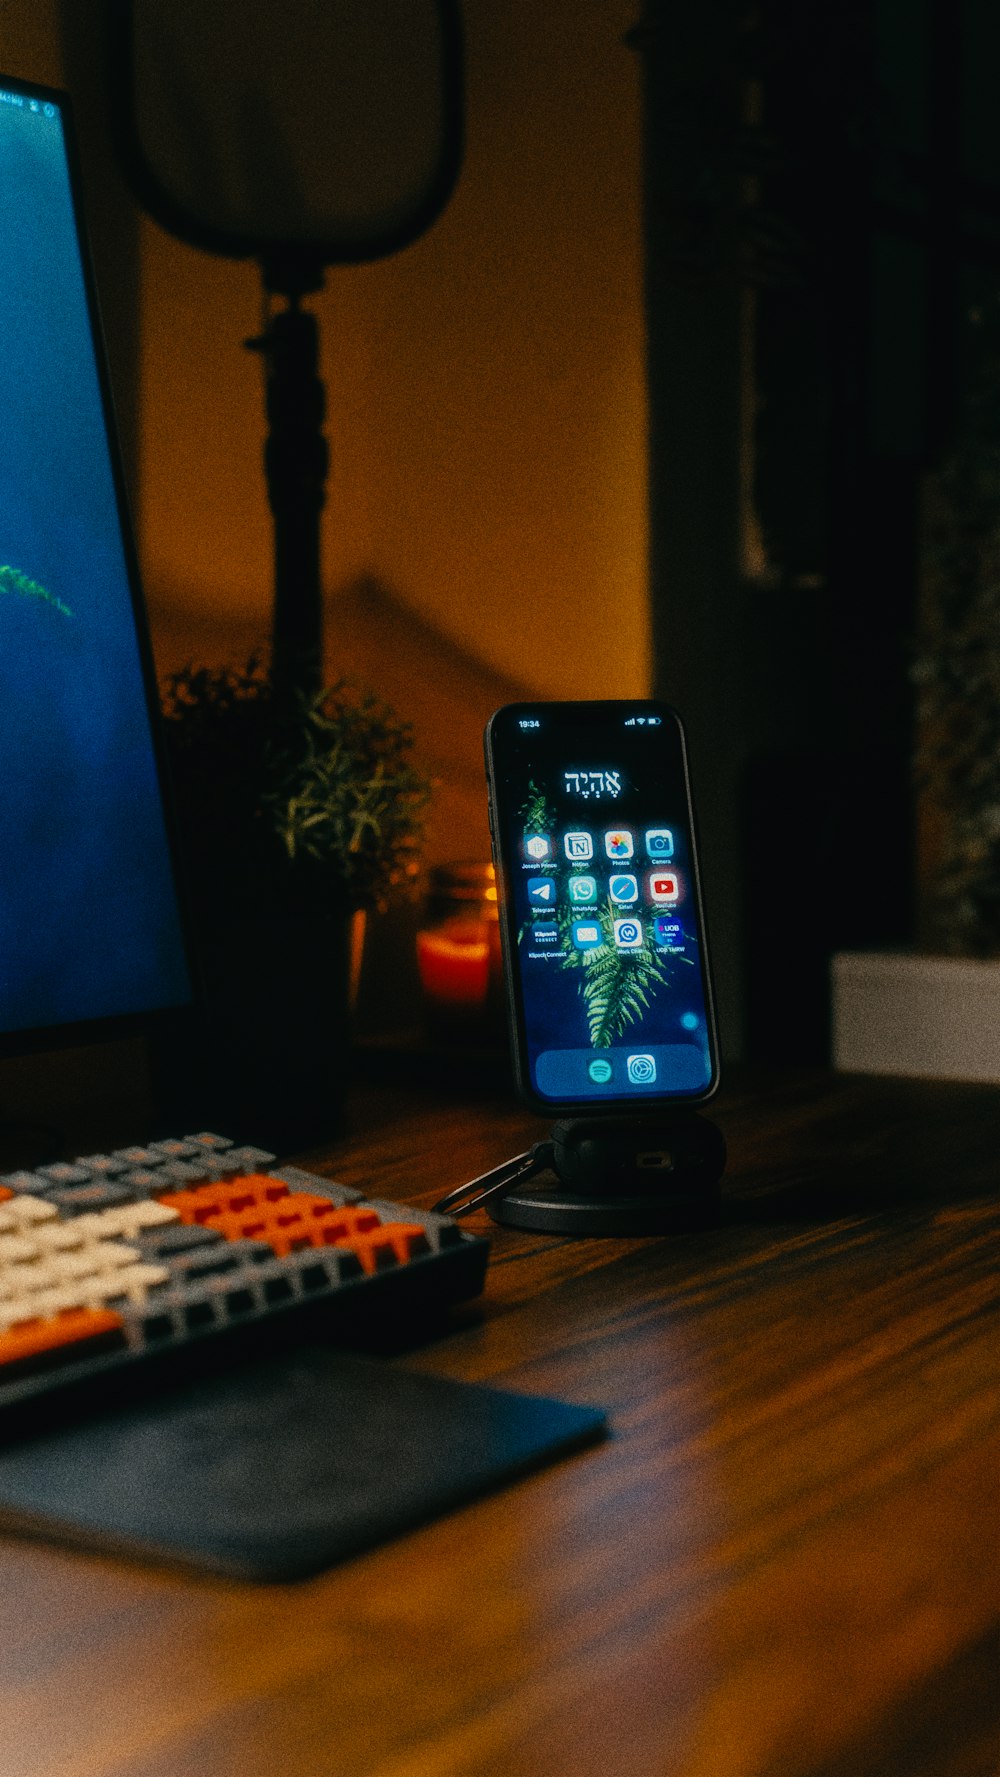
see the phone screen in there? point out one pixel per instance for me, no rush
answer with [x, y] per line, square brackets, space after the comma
[604, 943]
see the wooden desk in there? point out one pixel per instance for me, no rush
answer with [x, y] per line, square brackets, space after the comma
[785, 1561]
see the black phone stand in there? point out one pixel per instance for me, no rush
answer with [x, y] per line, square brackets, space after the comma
[622, 1175]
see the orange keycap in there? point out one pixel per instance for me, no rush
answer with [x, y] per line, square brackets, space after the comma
[393, 1243]
[35, 1344]
[225, 1197]
[348, 1222]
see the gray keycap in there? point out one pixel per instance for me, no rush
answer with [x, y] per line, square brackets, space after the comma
[249, 1159]
[441, 1231]
[27, 1181]
[63, 1173]
[177, 1237]
[299, 1180]
[96, 1194]
[173, 1149]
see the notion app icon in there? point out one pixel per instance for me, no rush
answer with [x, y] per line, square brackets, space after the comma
[659, 843]
[538, 847]
[618, 843]
[579, 847]
[541, 891]
[664, 885]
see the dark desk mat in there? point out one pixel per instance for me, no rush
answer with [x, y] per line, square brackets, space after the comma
[280, 1469]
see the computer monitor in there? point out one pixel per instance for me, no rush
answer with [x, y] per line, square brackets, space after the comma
[92, 938]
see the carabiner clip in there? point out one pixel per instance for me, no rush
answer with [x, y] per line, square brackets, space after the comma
[496, 1182]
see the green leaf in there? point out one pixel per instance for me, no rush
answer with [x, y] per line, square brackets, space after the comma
[13, 581]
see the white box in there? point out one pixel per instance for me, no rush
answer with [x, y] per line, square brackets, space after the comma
[935, 1017]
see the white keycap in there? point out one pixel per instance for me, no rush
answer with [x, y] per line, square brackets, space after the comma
[29, 1210]
[96, 1258]
[15, 1249]
[60, 1236]
[24, 1281]
[127, 1221]
[38, 1307]
[134, 1281]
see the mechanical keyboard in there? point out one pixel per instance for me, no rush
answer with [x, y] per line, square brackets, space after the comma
[130, 1266]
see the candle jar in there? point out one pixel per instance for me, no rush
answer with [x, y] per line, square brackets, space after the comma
[458, 956]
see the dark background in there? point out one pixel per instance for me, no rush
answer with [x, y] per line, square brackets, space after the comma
[822, 214]
[820, 211]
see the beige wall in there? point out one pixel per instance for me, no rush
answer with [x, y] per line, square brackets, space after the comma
[486, 395]
[485, 532]
[29, 41]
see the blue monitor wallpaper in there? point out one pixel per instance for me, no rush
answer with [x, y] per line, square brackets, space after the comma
[89, 927]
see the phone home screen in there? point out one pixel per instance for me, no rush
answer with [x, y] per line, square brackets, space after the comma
[603, 924]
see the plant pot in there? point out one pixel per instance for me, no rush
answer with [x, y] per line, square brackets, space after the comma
[267, 1057]
[934, 1017]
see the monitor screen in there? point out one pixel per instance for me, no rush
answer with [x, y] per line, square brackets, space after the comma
[90, 928]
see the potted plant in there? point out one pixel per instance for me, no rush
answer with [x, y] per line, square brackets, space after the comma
[297, 815]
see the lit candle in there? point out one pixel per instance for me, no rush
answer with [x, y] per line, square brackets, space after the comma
[454, 962]
[458, 956]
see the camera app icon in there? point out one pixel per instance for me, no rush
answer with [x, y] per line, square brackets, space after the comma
[659, 843]
[628, 934]
[641, 1070]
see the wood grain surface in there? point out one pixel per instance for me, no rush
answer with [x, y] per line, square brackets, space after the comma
[784, 1562]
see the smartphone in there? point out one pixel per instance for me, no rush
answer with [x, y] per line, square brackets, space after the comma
[601, 922]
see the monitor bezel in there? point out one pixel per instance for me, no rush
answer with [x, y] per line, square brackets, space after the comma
[158, 1019]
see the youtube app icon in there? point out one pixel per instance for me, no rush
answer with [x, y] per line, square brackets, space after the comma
[664, 885]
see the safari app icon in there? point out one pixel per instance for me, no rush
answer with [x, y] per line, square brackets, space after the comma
[623, 888]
